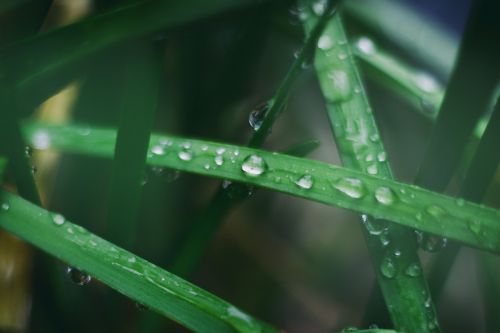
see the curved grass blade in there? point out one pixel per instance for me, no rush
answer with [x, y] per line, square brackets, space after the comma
[419, 88]
[138, 109]
[392, 247]
[123, 271]
[405, 204]
[229, 194]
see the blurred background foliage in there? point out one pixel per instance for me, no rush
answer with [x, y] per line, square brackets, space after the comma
[297, 264]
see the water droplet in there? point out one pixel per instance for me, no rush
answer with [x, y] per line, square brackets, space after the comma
[413, 270]
[158, 150]
[374, 137]
[388, 267]
[206, 166]
[165, 174]
[342, 55]
[28, 151]
[385, 196]
[341, 90]
[254, 166]
[374, 228]
[185, 155]
[77, 276]
[372, 169]
[220, 150]
[384, 237]
[236, 190]
[325, 42]
[305, 182]
[382, 157]
[219, 160]
[204, 148]
[41, 140]
[357, 90]
[426, 82]
[33, 169]
[365, 45]
[475, 226]
[351, 187]
[369, 158]
[5, 206]
[460, 202]
[58, 219]
[436, 211]
[257, 115]
[319, 7]
[397, 253]
[433, 243]
[141, 307]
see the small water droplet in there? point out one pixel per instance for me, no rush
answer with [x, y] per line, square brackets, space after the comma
[373, 227]
[475, 226]
[436, 211]
[397, 253]
[460, 202]
[385, 195]
[141, 307]
[374, 137]
[319, 7]
[372, 169]
[206, 166]
[342, 55]
[305, 182]
[185, 155]
[428, 106]
[341, 90]
[219, 160]
[384, 237]
[204, 148]
[433, 243]
[369, 158]
[58, 219]
[388, 267]
[28, 151]
[158, 150]
[352, 187]
[33, 169]
[5, 206]
[426, 82]
[254, 166]
[77, 276]
[220, 150]
[413, 270]
[382, 156]
[325, 42]
[365, 45]
[257, 115]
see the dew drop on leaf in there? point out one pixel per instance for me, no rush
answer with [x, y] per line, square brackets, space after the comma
[365, 45]
[5, 206]
[325, 42]
[413, 270]
[475, 226]
[432, 243]
[254, 166]
[219, 160]
[341, 86]
[305, 182]
[352, 187]
[77, 276]
[158, 150]
[58, 219]
[185, 155]
[257, 115]
[388, 267]
[385, 196]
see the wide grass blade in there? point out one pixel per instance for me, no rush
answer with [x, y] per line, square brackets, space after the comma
[405, 204]
[361, 149]
[130, 275]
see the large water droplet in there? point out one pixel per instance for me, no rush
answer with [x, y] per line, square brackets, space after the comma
[366, 45]
[325, 42]
[257, 115]
[77, 276]
[413, 270]
[305, 182]
[236, 190]
[388, 267]
[374, 228]
[219, 160]
[58, 219]
[385, 195]
[254, 166]
[341, 86]
[158, 150]
[372, 169]
[351, 187]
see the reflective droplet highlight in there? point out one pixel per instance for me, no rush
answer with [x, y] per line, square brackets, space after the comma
[352, 187]
[385, 196]
[305, 182]
[254, 166]
[77, 276]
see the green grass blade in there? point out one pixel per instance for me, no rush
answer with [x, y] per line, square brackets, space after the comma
[3, 166]
[411, 205]
[138, 109]
[462, 106]
[228, 195]
[360, 148]
[33, 59]
[123, 271]
[418, 88]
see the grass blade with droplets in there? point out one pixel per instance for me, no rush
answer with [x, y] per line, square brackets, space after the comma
[128, 274]
[412, 206]
[392, 247]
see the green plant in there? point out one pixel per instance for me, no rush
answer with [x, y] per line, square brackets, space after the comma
[397, 217]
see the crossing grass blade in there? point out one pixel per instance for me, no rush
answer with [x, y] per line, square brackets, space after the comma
[128, 274]
[412, 206]
[360, 147]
